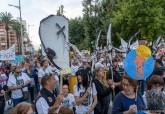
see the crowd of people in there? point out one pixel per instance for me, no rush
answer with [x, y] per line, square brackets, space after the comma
[34, 87]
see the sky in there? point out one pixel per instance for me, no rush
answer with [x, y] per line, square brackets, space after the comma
[33, 11]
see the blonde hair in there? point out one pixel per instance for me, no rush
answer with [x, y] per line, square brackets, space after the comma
[103, 80]
[22, 108]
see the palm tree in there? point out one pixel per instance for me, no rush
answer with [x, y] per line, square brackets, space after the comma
[16, 26]
[6, 18]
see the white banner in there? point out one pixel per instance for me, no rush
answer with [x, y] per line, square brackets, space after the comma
[8, 54]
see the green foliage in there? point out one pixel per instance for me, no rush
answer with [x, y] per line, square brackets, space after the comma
[134, 15]
[60, 11]
[76, 31]
[127, 18]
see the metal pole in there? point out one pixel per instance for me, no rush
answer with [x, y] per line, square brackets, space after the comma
[21, 38]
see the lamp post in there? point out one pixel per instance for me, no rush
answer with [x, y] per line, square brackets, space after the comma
[21, 37]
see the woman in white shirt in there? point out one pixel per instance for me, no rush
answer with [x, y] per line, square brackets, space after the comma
[85, 93]
[17, 83]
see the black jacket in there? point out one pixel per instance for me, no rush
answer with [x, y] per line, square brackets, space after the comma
[103, 97]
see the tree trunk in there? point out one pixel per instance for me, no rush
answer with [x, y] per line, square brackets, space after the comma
[18, 43]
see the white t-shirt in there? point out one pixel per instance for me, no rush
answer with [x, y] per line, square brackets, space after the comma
[22, 79]
[42, 72]
[42, 106]
[68, 101]
[84, 107]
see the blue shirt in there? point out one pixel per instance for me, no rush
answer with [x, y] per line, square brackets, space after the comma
[122, 103]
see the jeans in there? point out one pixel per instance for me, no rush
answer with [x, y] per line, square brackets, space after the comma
[17, 101]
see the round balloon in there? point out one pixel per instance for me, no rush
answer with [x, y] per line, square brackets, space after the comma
[137, 67]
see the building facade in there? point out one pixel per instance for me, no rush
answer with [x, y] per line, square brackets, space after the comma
[3, 38]
[13, 39]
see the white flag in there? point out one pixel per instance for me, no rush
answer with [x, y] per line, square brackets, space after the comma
[109, 37]
[134, 45]
[124, 44]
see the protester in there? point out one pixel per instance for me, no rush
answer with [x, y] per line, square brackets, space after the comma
[68, 99]
[154, 97]
[2, 100]
[103, 91]
[17, 83]
[23, 108]
[47, 98]
[115, 81]
[162, 58]
[85, 93]
[44, 70]
[28, 71]
[36, 67]
[126, 101]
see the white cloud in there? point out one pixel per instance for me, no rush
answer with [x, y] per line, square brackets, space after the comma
[33, 11]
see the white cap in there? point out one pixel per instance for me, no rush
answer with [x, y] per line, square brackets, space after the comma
[98, 65]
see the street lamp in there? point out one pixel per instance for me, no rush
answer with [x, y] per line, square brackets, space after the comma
[21, 37]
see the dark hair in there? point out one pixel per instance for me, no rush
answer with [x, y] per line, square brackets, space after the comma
[154, 80]
[131, 82]
[45, 79]
[43, 61]
[85, 78]
[162, 57]
[159, 71]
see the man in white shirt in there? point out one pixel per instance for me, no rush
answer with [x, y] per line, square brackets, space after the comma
[18, 83]
[47, 99]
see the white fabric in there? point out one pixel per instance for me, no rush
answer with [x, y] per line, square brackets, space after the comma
[22, 79]
[74, 69]
[3, 79]
[124, 44]
[42, 106]
[42, 72]
[84, 106]
[134, 45]
[99, 65]
[68, 101]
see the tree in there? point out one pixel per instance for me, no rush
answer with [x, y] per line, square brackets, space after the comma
[6, 18]
[60, 11]
[146, 16]
[126, 16]
[76, 32]
[90, 24]
[16, 26]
